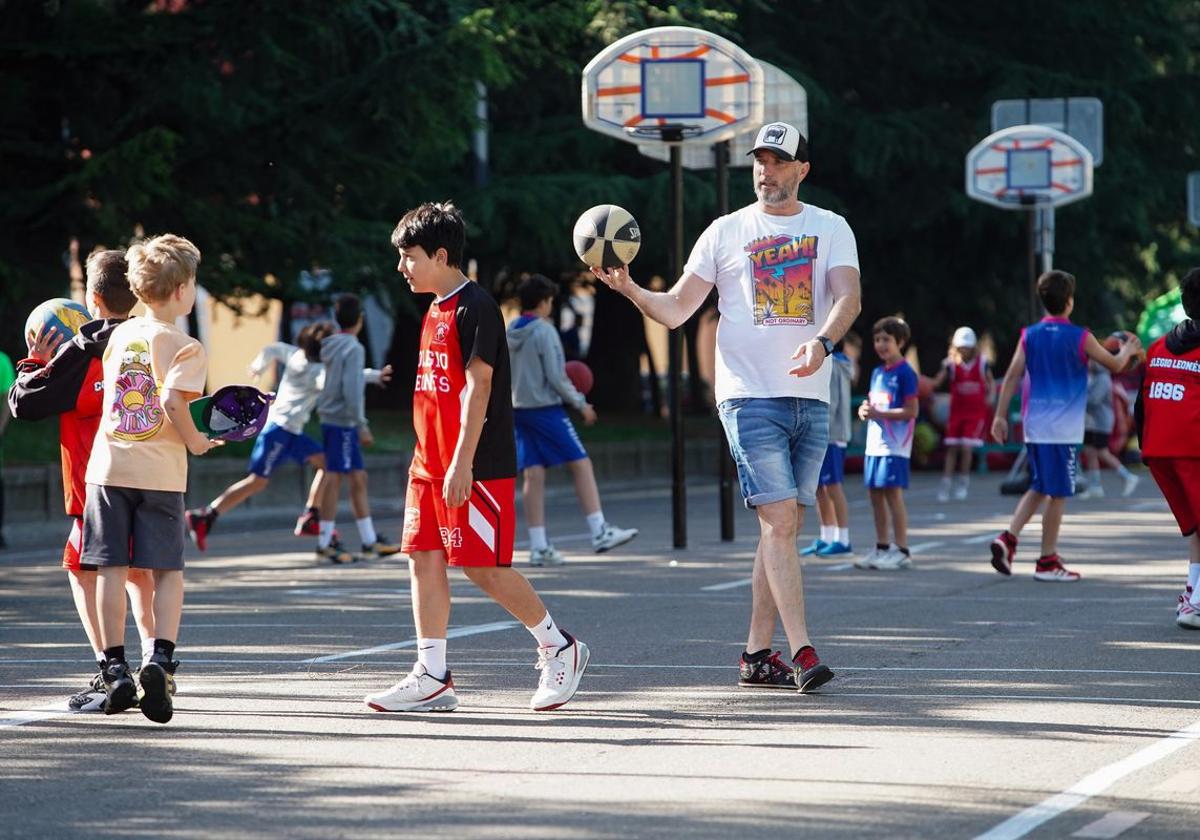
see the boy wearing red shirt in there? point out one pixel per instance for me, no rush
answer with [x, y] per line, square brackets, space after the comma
[68, 381]
[1168, 421]
[460, 507]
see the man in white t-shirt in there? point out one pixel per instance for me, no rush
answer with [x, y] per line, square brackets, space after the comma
[787, 277]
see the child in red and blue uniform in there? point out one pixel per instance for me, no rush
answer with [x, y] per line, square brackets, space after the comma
[891, 413]
[971, 386]
[1051, 362]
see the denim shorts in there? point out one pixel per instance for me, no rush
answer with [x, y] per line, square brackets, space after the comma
[778, 444]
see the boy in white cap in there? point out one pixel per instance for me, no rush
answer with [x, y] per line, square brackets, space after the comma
[971, 387]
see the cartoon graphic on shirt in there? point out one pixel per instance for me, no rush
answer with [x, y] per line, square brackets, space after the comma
[782, 267]
[136, 406]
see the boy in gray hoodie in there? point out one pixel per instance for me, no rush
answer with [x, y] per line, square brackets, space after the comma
[342, 410]
[545, 435]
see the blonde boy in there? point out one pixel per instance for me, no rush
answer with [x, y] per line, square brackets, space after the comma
[138, 470]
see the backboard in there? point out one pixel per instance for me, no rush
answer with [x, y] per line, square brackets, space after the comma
[1026, 165]
[785, 101]
[705, 86]
[1082, 117]
[1193, 192]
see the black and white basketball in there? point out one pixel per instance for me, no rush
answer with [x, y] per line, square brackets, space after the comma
[607, 236]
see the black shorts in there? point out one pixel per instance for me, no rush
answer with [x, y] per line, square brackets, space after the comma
[1096, 439]
[124, 526]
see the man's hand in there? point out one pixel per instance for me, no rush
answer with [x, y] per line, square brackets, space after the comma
[999, 429]
[589, 414]
[456, 489]
[617, 279]
[45, 343]
[200, 444]
[365, 437]
[811, 355]
[385, 375]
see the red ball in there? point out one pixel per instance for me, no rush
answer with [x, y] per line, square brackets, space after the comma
[580, 376]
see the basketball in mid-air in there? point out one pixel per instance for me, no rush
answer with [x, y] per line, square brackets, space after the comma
[581, 376]
[607, 236]
[1113, 345]
[62, 315]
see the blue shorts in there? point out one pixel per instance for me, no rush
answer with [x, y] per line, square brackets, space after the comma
[1052, 468]
[342, 452]
[276, 445]
[833, 469]
[883, 471]
[778, 444]
[546, 437]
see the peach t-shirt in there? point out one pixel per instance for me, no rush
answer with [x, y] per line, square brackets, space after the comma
[136, 445]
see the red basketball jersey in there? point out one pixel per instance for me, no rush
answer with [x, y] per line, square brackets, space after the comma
[968, 388]
[1171, 402]
[457, 329]
[76, 433]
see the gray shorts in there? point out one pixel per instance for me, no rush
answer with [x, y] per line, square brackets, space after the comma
[124, 526]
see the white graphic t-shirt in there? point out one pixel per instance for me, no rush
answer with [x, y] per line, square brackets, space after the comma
[770, 274]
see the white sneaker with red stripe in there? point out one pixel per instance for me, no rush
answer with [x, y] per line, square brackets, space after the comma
[1051, 570]
[561, 671]
[1187, 614]
[418, 692]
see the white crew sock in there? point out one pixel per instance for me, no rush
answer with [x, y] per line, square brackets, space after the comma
[99, 657]
[547, 633]
[366, 530]
[1094, 476]
[595, 522]
[432, 654]
[1123, 471]
[537, 538]
[147, 649]
[1193, 575]
[828, 533]
[843, 536]
[325, 536]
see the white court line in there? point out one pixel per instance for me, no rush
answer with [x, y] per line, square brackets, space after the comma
[1153, 505]
[1021, 824]
[982, 538]
[919, 547]
[455, 633]
[840, 567]
[33, 715]
[1111, 825]
[732, 584]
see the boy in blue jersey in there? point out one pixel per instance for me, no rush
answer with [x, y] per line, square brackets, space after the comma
[890, 411]
[1051, 361]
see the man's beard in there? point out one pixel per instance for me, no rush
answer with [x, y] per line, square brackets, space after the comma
[780, 194]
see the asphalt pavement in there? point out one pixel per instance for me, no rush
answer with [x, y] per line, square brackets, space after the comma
[966, 704]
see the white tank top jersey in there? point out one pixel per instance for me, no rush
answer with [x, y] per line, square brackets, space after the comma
[771, 276]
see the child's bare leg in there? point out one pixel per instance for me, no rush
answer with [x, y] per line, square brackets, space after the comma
[841, 509]
[895, 503]
[509, 588]
[168, 603]
[1026, 508]
[585, 485]
[534, 489]
[1052, 523]
[239, 492]
[83, 592]
[140, 586]
[879, 510]
[430, 593]
[110, 604]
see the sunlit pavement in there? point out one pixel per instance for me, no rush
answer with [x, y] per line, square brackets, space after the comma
[965, 702]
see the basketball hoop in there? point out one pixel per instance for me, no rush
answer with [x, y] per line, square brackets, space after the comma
[668, 133]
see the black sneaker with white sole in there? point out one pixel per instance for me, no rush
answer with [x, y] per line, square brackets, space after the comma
[764, 669]
[92, 698]
[119, 688]
[157, 681]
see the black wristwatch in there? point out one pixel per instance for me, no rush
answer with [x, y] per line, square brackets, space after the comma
[827, 344]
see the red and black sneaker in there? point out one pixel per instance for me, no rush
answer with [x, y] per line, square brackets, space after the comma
[199, 523]
[810, 674]
[1004, 549]
[1051, 570]
[764, 670]
[308, 524]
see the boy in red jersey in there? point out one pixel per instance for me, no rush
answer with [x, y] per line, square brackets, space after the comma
[971, 387]
[460, 508]
[1168, 423]
[68, 382]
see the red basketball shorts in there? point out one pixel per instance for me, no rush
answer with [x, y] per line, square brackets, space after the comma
[478, 533]
[965, 430]
[70, 559]
[1179, 480]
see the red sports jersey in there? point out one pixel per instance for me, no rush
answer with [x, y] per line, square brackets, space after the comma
[76, 432]
[968, 389]
[1171, 402]
[457, 329]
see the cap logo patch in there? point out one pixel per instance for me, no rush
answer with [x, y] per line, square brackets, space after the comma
[775, 135]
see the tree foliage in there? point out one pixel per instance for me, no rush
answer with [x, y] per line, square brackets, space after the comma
[282, 135]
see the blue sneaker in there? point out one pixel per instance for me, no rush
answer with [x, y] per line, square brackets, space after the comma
[834, 548]
[816, 548]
